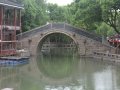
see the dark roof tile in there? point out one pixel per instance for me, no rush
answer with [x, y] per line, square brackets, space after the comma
[10, 3]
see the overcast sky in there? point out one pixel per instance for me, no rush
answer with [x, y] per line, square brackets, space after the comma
[60, 2]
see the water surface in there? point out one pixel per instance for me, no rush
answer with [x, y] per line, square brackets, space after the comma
[61, 73]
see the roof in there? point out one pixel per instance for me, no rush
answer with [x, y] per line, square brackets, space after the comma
[10, 4]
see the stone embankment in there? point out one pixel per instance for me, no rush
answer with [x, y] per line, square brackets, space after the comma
[107, 56]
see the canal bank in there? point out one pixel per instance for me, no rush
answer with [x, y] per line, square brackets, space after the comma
[107, 57]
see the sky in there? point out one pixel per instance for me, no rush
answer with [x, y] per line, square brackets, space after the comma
[60, 2]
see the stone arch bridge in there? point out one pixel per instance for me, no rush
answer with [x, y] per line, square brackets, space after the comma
[86, 42]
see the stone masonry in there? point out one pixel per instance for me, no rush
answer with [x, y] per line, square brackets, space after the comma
[87, 43]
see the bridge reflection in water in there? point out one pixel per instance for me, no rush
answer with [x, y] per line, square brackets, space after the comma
[61, 73]
[61, 69]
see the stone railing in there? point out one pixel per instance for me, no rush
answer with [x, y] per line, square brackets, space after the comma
[59, 26]
[107, 56]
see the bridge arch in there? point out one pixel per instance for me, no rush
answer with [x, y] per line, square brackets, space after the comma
[47, 34]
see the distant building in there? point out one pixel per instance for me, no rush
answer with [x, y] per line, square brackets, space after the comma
[10, 24]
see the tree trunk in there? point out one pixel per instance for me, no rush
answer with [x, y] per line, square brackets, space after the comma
[116, 30]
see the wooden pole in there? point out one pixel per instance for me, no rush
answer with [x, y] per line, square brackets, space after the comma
[20, 30]
[15, 20]
[1, 23]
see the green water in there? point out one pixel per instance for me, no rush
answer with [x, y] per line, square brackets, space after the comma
[61, 73]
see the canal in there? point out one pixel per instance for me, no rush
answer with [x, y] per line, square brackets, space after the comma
[61, 69]
[62, 73]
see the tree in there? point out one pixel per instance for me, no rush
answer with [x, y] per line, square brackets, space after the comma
[104, 29]
[34, 14]
[90, 14]
[86, 13]
[70, 13]
[110, 13]
[55, 13]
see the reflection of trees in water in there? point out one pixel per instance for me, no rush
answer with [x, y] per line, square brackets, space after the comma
[9, 78]
[60, 52]
[57, 67]
[30, 83]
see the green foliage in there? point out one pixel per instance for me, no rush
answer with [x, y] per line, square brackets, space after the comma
[85, 13]
[110, 13]
[104, 30]
[34, 14]
[89, 14]
[55, 13]
[60, 38]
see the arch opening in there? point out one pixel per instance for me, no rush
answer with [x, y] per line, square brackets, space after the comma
[55, 43]
[56, 55]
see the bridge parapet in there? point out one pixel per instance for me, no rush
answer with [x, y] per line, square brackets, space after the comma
[60, 26]
[83, 32]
